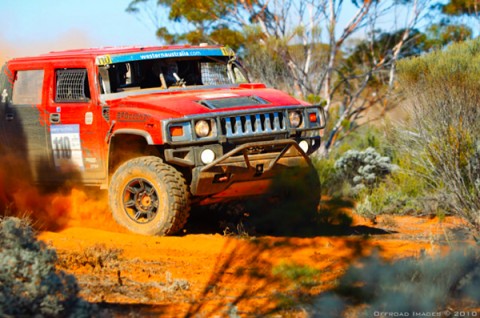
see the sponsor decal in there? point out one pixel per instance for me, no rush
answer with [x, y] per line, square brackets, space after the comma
[104, 60]
[131, 117]
[66, 145]
[121, 58]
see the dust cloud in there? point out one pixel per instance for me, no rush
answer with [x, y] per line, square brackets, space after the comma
[70, 39]
[52, 210]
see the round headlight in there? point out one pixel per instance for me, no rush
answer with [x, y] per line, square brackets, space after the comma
[202, 128]
[295, 119]
[207, 156]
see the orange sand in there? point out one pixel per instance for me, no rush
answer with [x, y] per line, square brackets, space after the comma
[224, 271]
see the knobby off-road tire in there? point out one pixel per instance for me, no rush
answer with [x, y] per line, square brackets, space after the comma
[149, 197]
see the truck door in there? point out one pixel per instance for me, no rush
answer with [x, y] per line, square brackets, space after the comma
[75, 123]
[22, 122]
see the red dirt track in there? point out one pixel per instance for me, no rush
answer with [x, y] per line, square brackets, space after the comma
[207, 275]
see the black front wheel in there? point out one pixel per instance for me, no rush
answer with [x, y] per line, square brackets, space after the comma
[149, 197]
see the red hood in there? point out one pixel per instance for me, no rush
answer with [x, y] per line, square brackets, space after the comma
[186, 102]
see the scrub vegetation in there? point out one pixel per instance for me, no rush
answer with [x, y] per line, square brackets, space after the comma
[428, 284]
[430, 162]
[442, 91]
[30, 285]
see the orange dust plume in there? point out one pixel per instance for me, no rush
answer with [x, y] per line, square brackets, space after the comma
[69, 39]
[52, 211]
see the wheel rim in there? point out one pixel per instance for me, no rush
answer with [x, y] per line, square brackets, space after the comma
[140, 201]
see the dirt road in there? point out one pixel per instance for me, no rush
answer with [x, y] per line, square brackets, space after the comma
[210, 274]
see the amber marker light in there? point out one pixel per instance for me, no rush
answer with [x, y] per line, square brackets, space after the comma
[176, 131]
[312, 117]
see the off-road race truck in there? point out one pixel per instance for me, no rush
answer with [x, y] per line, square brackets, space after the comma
[162, 128]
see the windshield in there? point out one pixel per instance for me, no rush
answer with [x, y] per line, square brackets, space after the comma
[168, 73]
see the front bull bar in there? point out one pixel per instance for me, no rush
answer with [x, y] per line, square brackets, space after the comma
[248, 163]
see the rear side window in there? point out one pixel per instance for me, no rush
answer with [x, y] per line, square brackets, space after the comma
[27, 88]
[72, 86]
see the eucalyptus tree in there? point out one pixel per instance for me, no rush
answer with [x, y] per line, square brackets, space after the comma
[301, 46]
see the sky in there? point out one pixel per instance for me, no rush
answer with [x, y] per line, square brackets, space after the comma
[31, 27]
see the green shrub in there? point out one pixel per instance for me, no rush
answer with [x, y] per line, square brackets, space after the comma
[29, 283]
[442, 133]
[363, 168]
[299, 279]
[399, 189]
[298, 275]
[332, 183]
[377, 201]
[362, 138]
[387, 198]
[399, 193]
[427, 284]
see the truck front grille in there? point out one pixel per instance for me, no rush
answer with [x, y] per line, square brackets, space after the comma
[252, 125]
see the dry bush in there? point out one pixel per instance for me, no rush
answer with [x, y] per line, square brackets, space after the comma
[442, 134]
[97, 257]
[30, 285]
[428, 284]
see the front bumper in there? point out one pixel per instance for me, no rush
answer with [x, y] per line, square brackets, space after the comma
[247, 169]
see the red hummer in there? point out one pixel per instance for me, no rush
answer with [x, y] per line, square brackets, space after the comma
[163, 128]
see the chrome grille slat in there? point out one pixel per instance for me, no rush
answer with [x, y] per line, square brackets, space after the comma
[248, 125]
[276, 122]
[238, 125]
[228, 125]
[256, 124]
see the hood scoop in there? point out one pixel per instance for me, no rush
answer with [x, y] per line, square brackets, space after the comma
[233, 102]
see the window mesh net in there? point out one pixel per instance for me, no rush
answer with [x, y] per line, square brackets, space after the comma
[214, 74]
[72, 85]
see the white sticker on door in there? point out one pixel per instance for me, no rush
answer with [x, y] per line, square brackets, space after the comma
[66, 145]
